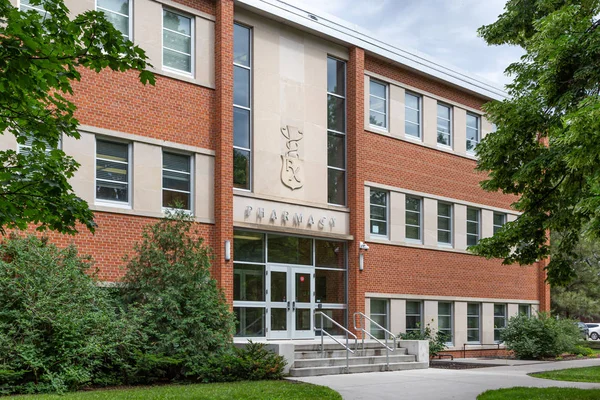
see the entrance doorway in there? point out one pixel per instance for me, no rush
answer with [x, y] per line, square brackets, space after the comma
[290, 298]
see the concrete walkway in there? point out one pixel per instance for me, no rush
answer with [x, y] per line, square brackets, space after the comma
[439, 384]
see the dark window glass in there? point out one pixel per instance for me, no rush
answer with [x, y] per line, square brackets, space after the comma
[248, 282]
[289, 250]
[250, 321]
[249, 246]
[330, 254]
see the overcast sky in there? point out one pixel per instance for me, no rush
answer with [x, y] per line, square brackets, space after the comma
[444, 29]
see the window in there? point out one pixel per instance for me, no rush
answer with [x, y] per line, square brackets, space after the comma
[445, 321]
[412, 115]
[112, 171]
[25, 5]
[336, 131]
[499, 320]
[413, 218]
[242, 107]
[444, 125]
[413, 316]
[472, 132]
[378, 104]
[118, 13]
[499, 221]
[177, 42]
[525, 309]
[473, 322]
[379, 212]
[472, 226]
[25, 148]
[379, 314]
[177, 181]
[444, 224]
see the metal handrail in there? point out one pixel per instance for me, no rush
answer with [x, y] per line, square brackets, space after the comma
[346, 346]
[364, 331]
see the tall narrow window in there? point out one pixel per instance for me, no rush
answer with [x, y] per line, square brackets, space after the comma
[242, 111]
[25, 5]
[379, 212]
[336, 131]
[525, 309]
[378, 104]
[412, 115]
[118, 12]
[177, 181]
[499, 221]
[414, 321]
[445, 321]
[499, 320]
[380, 315]
[444, 125]
[112, 171]
[473, 217]
[445, 224]
[473, 132]
[413, 218]
[177, 42]
[473, 322]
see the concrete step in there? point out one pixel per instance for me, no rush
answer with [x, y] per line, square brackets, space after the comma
[354, 369]
[340, 352]
[341, 361]
[335, 346]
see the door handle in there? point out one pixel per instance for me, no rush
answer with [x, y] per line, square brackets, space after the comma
[293, 306]
[288, 305]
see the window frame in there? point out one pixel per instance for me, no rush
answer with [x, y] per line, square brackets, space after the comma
[20, 146]
[250, 69]
[450, 122]
[451, 225]
[386, 114]
[496, 227]
[478, 136]
[387, 214]
[344, 134]
[478, 316]
[41, 10]
[406, 315]
[420, 115]
[406, 225]
[191, 157]
[113, 203]
[386, 315]
[450, 342]
[472, 221]
[129, 17]
[528, 313]
[498, 330]
[192, 19]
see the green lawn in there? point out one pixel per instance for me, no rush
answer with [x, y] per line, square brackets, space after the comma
[586, 374]
[239, 390]
[524, 393]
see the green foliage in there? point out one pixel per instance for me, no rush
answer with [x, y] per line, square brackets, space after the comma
[437, 340]
[252, 362]
[40, 57]
[545, 149]
[59, 331]
[541, 337]
[183, 314]
[550, 393]
[586, 374]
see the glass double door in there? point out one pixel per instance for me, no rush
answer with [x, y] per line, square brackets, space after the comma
[290, 302]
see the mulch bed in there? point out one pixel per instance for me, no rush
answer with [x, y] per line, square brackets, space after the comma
[459, 365]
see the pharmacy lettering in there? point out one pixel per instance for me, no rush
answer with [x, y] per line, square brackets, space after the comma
[291, 165]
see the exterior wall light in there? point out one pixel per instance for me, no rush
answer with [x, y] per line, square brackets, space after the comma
[227, 250]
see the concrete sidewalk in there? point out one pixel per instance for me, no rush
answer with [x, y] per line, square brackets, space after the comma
[439, 384]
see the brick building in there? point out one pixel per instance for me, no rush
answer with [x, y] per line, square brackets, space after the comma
[328, 170]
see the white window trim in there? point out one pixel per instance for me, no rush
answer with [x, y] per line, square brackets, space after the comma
[472, 152]
[410, 240]
[467, 220]
[38, 8]
[505, 320]
[112, 203]
[421, 317]
[345, 169]
[386, 87]
[387, 215]
[420, 111]
[449, 343]
[450, 122]
[451, 218]
[190, 211]
[478, 325]
[129, 17]
[494, 226]
[192, 18]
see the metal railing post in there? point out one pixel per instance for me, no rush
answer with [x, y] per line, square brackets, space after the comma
[362, 318]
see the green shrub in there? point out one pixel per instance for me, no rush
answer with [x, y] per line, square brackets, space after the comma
[184, 317]
[437, 340]
[584, 351]
[541, 336]
[252, 362]
[59, 331]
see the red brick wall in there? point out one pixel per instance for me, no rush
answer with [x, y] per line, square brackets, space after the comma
[207, 6]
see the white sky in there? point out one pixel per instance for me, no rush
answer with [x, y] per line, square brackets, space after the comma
[444, 29]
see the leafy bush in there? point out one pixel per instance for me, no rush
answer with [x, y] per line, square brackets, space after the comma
[437, 340]
[184, 316]
[253, 362]
[541, 336]
[59, 331]
[584, 351]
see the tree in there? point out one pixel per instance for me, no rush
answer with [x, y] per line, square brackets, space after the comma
[547, 144]
[41, 54]
[581, 297]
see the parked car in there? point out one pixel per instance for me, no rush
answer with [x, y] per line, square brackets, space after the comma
[594, 330]
[585, 331]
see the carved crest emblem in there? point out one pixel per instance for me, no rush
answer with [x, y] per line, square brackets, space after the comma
[292, 174]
